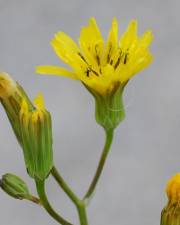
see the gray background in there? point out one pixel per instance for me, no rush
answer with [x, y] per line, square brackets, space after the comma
[145, 152]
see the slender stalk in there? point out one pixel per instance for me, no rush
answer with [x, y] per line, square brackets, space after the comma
[90, 192]
[80, 205]
[64, 185]
[40, 185]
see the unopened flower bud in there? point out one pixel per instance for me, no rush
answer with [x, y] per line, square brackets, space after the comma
[171, 213]
[14, 186]
[36, 132]
[11, 95]
[31, 125]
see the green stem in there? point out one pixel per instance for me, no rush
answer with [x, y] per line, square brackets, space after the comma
[40, 185]
[77, 202]
[90, 192]
[34, 200]
[64, 185]
[82, 214]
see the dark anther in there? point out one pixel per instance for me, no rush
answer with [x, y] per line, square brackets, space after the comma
[95, 72]
[111, 62]
[98, 60]
[118, 60]
[91, 70]
[82, 57]
[125, 58]
[109, 53]
[97, 56]
[87, 72]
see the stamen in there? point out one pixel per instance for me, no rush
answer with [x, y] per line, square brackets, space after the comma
[97, 56]
[94, 72]
[87, 72]
[98, 60]
[89, 69]
[118, 60]
[125, 58]
[82, 57]
[108, 56]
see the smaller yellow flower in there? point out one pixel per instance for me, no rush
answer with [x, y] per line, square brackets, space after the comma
[171, 213]
[104, 67]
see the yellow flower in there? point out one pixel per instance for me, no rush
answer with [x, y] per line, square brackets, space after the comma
[104, 67]
[171, 213]
[101, 65]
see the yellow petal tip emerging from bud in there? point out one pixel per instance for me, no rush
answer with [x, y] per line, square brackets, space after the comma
[7, 85]
[24, 106]
[173, 188]
[39, 101]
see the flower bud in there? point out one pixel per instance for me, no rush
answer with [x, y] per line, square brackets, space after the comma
[171, 213]
[36, 132]
[14, 186]
[31, 125]
[11, 95]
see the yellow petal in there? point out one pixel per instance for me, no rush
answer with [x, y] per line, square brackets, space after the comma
[129, 38]
[24, 106]
[90, 35]
[146, 39]
[66, 41]
[55, 70]
[39, 101]
[91, 43]
[112, 42]
[94, 28]
[113, 33]
[65, 47]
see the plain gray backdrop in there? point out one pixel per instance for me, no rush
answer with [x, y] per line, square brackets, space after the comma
[145, 151]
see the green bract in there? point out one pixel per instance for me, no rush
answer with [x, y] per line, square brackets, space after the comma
[171, 214]
[109, 109]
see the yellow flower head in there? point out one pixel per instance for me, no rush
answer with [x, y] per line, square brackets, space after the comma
[101, 65]
[173, 188]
